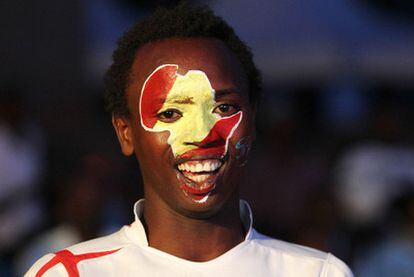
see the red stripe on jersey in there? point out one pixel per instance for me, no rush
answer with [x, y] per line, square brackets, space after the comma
[70, 261]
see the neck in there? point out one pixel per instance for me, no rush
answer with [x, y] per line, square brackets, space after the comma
[193, 239]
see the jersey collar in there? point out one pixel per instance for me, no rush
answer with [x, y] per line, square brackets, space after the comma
[137, 233]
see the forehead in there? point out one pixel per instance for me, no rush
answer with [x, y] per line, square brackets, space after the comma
[211, 56]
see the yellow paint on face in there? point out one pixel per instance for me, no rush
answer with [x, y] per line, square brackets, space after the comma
[193, 96]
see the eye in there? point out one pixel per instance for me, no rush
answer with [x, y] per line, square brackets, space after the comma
[169, 116]
[226, 109]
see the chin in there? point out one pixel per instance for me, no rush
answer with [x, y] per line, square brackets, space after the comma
[203, 210]
[211, 198]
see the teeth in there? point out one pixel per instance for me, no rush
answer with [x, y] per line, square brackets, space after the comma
[199, 178]
[215, 165]
[200, 166]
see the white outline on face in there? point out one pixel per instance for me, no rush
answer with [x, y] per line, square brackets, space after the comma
[172, 136]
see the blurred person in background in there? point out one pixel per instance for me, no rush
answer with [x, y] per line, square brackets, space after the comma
[182, 91]
[320, 226]
[22, 161]
[393, 254]
[371, 173]
[291, 150]
[77, 208]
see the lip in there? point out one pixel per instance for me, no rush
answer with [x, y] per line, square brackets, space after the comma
[216, 151]
[197, 191]
[199, 156]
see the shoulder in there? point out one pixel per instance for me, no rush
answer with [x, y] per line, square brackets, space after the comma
[64, 262]
[298, 254]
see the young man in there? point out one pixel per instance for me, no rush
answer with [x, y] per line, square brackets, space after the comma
[182, 91]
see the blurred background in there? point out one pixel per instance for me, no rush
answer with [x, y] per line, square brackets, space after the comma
[333, 164]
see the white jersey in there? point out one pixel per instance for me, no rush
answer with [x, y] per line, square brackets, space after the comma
[127, 253]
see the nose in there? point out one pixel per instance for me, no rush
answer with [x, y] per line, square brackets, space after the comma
[212, 139]
[209, 136]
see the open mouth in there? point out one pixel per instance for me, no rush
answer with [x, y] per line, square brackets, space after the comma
[199, 177]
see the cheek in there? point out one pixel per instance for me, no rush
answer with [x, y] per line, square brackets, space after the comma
[241, 143]
[242, 150]
[151, 146]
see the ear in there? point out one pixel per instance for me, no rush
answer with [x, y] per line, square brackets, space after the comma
[123, 130]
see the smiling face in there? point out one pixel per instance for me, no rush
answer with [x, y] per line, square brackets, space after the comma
[189, 111]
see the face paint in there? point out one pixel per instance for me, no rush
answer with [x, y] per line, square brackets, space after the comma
[154, 93]
[242, 150]
[199, 131]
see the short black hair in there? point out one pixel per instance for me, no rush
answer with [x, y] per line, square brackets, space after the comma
[182, 21]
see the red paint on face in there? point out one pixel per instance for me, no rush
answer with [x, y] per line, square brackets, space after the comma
[214, 143]
[155, 92]
[200, 193]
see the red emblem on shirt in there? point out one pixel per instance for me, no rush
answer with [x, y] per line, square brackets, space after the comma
[69, 261]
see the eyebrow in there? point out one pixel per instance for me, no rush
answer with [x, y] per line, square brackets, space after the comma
[185, 100]
[182, 100]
